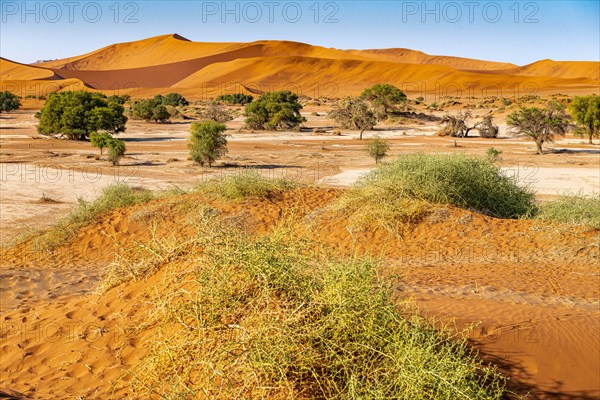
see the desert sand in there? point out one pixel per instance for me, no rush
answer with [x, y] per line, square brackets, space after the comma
[525, 293]
[204, 70]
[526, 286]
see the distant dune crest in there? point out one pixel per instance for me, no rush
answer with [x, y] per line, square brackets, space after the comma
[197, 69]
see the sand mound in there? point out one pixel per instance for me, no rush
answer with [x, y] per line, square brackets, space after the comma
[560, 69]
[409, 56]
[342, 77]
[10, 70]
[524, 277]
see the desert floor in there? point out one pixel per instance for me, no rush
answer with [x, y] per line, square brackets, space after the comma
[530, 290]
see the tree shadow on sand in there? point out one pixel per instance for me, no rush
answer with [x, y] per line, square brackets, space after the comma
[520, 387]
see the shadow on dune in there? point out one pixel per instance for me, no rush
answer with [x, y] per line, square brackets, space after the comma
[520, 387]
[8, 394]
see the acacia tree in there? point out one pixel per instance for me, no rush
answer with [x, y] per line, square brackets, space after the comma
[151, 110]
[456, 125]
[486, 127]
[586, 113]
[116, 150]
[75, 115]
[237, 98]
[353, 113]
[541, 125]
[9, 101]
[377, 148]
[208, 143]
[275, 110]
[384, 98]
[175, 100]
[217, 113]
[100, 140]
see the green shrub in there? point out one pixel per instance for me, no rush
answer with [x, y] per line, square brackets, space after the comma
[100, 140]
[248, 183]
[269, 318]
[402, 191]
[116, 150]
[384, 98]
[377, 148]
[76, 115]
[208, 143]
[9, 101]
[237, 98]
[275, 110]
[586, 112]
[572, 209]
[150, 110]
[174, 99]
[492, 153]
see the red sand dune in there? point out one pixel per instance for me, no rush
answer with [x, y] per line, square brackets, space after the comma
[173, 63]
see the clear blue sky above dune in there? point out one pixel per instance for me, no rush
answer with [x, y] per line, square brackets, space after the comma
[513, 31]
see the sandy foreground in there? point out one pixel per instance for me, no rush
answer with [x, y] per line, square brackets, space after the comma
[531, 290]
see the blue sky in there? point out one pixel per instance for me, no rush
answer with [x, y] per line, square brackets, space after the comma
[513, 31]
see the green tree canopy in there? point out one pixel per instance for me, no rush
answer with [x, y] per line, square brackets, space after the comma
[237, 98]
[586, 113]
[9, 101]
[75, 115]
[116, 150]
[150, 110]
[541, 125]
[354, 113]
[274, 110]
[384, 98]
[174, 99]
[100, 140]
[208, 143]
[377, 148]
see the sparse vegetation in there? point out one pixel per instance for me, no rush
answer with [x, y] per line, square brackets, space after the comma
[541, 125]
[486, 127]
[237, 98]
[572, 209]
[208, 143]
[247, 183]
[9, 101]
[377, 148]
[353, 113]
[112, 197]
[493, 153]
[273, 318]
[586, 113]
[275, 110]
[217, 113]
[75, 115]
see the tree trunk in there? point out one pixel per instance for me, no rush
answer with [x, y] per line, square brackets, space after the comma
[539, 147]
[360, 136]
[590, 139]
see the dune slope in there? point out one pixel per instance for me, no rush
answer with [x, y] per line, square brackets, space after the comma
[173, 63]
